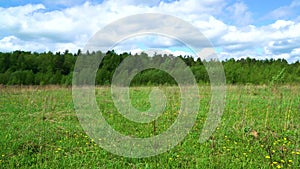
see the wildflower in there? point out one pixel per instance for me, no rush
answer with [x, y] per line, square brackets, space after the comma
[290, 161]
[278, 166]
[284, 139]
[275, 162]
[297, 152]
[267, 157]
[273, 151]
[282, 161]
[170, 158]
[177, 156]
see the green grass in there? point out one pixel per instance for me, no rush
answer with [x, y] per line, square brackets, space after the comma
[40, 129]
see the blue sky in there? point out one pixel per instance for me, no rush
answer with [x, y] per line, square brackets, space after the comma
[259, 9]
[236, 28]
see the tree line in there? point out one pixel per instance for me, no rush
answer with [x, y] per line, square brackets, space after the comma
[32, 68]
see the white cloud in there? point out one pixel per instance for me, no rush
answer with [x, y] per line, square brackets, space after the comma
[281, 24]
[32, 27]
[285, 12]
[63, 2]
[13, 18]
[12, 43]
[211, 27]
[136, 2]
[248, 34]
[240, 14]
[296, 51]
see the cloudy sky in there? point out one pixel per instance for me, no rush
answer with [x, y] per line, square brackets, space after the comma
[236, 28]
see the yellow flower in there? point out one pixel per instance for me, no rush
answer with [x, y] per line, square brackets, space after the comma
[278, 166]
[267, 157]
[275, 162]
[177, 156]
[170, 158]
[297, 152]
[282, 161]
[290, 161]
[284, 138]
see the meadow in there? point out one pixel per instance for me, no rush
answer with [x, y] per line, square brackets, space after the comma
[260, 128]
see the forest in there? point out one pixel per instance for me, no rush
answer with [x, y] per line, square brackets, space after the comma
[33, 68]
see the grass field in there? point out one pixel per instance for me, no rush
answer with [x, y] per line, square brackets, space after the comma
[260, 128]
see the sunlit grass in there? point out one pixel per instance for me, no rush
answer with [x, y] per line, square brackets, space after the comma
[40, 129]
